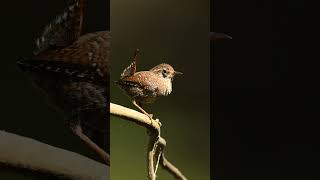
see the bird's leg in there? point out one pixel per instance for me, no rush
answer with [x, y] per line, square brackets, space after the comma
[142, 110]
[78, 131]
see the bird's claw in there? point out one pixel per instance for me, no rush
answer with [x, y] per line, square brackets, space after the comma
[150, 116]
[151, 119]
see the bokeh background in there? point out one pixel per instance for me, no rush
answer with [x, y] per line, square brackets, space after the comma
[24, 108]
[174, 32]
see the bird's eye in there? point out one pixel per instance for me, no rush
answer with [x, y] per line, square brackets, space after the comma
[164, 73]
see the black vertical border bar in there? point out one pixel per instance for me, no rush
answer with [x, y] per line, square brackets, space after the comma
[108, 98]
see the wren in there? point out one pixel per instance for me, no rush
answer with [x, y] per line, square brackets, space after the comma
[73, 69]
[144, 87]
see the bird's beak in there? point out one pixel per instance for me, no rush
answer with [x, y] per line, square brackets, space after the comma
[177, 72]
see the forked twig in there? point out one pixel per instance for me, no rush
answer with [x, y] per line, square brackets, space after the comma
[150, 157]
[166, 164]
[156, 142]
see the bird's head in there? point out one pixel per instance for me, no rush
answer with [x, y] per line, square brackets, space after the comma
[165, 71]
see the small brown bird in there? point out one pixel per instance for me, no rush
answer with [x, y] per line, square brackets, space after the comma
[73, 69]
[144, 87]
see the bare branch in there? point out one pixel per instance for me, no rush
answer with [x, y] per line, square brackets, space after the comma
[134, 116]
[156, 143]
[167, 165]
[157, 156]
[151, 151]
[142, 120]
[214, 36]
[26, 153]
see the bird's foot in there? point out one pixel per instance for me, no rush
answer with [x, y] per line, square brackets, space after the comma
[150, 116]
[151, 119]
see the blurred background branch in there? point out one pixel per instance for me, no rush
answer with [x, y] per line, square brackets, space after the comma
[26, 153]
[156, 143]
[167, 165]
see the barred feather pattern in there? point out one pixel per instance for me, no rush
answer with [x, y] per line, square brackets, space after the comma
[64, 29]
[76, 79]
[132, 68]
[129, 71]
[87, 58]
[74, 71]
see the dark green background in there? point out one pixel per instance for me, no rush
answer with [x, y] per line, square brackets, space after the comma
[24, 108]
[174, 32]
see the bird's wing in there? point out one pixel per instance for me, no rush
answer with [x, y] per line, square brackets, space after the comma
[60, 69]
[131, 81]
[89, 55]
[127, 83]
[64, 29]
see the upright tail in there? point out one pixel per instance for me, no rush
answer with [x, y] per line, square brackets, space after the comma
[64, 29]
[132, 68]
